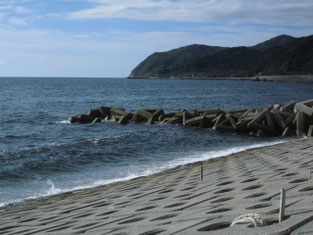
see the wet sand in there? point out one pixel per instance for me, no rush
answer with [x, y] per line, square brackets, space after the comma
[178, 202]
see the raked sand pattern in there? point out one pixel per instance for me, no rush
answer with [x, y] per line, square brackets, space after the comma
[178, 202]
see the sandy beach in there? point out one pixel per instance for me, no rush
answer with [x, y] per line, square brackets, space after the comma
[178, 202]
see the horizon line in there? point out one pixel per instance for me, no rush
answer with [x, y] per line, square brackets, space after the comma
[61, 77]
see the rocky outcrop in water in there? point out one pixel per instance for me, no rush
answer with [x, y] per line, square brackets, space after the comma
[291, 119]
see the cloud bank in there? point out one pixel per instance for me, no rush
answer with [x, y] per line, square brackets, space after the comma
[278, 12]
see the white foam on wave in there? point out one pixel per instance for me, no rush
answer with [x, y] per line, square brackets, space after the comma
[2, 204]
[63, 122]
[203, 156]
[149, 170]
[195, 157]
[52, 190]
[60, 144]
[95, 141]
[157, 168]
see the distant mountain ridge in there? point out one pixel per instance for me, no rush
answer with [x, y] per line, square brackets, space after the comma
[280, 40]
[281, 55]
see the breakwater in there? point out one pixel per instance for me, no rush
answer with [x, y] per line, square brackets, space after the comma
[291, 119]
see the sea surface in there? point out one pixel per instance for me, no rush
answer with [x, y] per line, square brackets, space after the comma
[42, 154]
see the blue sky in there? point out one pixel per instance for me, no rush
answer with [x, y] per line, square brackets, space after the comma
[108, 38]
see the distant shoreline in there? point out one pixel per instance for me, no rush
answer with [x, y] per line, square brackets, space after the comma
[271, 78]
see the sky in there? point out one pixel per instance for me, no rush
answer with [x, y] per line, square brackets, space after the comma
[108, 38]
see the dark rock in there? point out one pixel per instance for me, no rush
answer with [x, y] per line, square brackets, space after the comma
[105, 111]
[231, 120]
[83, 118]
[248, 113]
[290, 119]
[252, 133]
[308, 103]
[227, 124]
[137, 118]
[120, 113]
[310, 131]
[301, 123]
[209, 120]
[208, 111]
[223, 126]
[280, 122]
[241, 125]
[288, 107]
[151, 110]
[234, 111]
[180, 113]
[151, 121]
[237, 113]
[163, 116]
[269, 121]
[205, 122]
[74, 119]
[96, 120]
[186, 115]
[94, 113]
[145, 114]
[288, 132]
[194, 121]
[263, 121]
[115, 118]
[276, 106]
[218, 120]
[285, 115]
[123, 120]
[150, 115]
[173, 120]
[260, 133]
[303, 107]
[155, 116]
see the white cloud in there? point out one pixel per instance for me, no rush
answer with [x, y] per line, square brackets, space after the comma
[82, 36]
[22, 10]
[13, 13]
[2, 15]
[110, 53]
[4, 10]
[278, 12]
[45, 52]
[5, 7]
[17, 21]
[1, 62]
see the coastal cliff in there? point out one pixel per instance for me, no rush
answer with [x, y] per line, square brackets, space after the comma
[281, 55]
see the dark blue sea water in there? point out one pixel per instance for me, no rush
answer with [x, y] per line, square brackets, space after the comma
[42, 154]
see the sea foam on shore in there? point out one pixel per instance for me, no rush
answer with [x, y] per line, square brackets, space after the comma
[52, 189]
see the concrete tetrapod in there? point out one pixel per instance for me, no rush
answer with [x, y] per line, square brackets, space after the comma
[273, 120]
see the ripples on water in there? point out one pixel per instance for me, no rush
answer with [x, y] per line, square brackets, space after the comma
[42, 154]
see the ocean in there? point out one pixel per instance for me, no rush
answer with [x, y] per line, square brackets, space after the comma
[42, 154]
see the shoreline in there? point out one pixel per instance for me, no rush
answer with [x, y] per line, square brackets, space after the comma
[269, 78]
[219, 154]
[178, 202]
